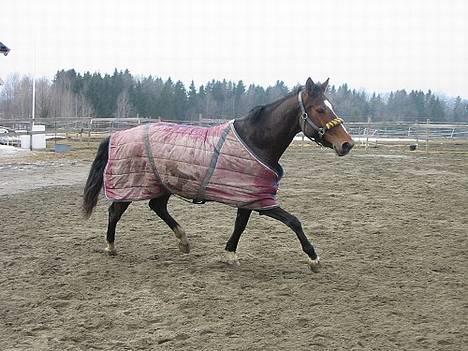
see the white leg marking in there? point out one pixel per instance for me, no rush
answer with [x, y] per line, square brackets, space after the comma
[231, 258]
[314, 264]
[110, 249]
[184, 245]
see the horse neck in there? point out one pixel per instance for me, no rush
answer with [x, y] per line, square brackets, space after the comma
[269, 133]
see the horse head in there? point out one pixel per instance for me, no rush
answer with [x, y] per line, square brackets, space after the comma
[319, 121]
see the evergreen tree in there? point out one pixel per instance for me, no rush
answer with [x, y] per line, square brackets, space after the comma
[239, 91]
[460, 111]
[180, 101]
[167, 108]
[192, 102]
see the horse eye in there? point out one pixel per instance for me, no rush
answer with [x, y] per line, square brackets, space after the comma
[320, 110]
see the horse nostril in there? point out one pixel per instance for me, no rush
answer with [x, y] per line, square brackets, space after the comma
[346, 147]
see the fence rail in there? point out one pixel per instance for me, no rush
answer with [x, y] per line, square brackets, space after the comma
[364, 132]
[410, 132]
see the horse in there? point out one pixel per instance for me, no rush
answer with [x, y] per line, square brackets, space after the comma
[263, 134]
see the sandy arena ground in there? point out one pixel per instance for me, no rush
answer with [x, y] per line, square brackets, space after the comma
[390, 226]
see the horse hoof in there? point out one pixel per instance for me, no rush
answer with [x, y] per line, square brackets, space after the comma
[314, 264]
[110, 252]
[184, 247]
[231, 259]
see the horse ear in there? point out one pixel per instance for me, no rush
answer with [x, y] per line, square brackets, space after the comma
[310, 85]
[324, 85]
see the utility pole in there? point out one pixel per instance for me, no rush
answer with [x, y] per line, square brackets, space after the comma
[33, 114]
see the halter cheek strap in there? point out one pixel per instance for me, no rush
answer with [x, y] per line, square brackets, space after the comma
[319, 131]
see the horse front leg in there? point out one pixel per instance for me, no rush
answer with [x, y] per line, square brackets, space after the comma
[293, 222]
[242, 218]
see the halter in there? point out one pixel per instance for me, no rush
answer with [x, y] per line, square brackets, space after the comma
[319, 131]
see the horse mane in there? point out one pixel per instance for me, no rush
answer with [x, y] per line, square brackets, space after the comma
[256, 112]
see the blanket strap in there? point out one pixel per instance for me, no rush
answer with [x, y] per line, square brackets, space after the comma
[149, 154]
[199, 198]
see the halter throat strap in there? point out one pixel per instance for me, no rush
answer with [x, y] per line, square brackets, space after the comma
[319, 131]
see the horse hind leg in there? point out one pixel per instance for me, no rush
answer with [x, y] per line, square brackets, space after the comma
[159, 205]
[116, 211]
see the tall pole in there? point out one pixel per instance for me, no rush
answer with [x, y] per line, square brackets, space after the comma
[33, 113]
[34, 99]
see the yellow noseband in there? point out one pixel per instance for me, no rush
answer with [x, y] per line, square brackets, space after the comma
[334, 123]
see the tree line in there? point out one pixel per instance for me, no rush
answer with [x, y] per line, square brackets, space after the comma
[72, 94]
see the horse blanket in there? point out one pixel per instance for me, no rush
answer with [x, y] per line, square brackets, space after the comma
[203, 164]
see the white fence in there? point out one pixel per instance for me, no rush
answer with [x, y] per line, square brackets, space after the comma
[414, 132]
[372, 132]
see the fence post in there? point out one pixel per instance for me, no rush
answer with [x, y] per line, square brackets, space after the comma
[55, 131]
[90, 127]
[367, 131]
[416, 132]
[427, 136]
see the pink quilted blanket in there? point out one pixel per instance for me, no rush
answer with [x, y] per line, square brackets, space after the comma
[204, 164]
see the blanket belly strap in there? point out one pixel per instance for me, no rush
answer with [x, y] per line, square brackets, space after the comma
[209, 173]
[149, 154]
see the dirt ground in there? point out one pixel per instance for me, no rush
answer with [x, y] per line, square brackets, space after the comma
[390, 226]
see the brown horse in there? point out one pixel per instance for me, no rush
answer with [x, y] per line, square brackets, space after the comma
[266, 132]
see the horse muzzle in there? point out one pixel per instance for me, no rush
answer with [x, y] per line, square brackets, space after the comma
[344, 148]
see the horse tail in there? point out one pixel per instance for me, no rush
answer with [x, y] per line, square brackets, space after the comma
[95, 178]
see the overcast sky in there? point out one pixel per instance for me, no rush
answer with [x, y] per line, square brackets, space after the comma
[374, 45]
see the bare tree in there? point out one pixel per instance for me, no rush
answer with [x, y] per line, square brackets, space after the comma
[123, 105]
[64, 102]
[85, 108]
[43, 101]
[8, 95]
[16, 97]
